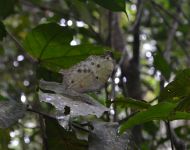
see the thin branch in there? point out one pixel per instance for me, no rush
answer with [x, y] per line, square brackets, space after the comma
[41, 113]
[170, 134]
[19, 46]
[175, 141]
[43, 132]
[180, 43]
[78, 126]
[172, 34]
[165, 11]
[43, 8]
[138, 17]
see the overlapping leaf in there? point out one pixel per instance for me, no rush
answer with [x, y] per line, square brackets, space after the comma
[50, 45]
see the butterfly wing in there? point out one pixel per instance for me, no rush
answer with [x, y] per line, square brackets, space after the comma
[89, 75]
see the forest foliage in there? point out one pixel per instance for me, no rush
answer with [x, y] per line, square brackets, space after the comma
[148, 92]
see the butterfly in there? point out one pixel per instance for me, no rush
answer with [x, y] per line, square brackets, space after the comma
[89, 75]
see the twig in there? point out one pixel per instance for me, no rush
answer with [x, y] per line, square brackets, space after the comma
[170, 134]
[138, 17]
[175, 141]
[19, 46]
[43, 132]
[171, 34]
[165, 11]
[41, 113]
[181, 44]
[43, 8]
[79, 127]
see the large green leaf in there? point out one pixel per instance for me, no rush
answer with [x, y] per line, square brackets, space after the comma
[6, 8]
[161, 111]
[2, 31]
[50, 45]
[46, 40]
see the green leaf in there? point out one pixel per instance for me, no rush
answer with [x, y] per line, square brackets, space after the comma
[162, 65]
[58, 138]
[6, 8]
[184, 104]
[132, 103]
[160, 111]
[180, 115]
[113, 5]
[2, 31]
[10, 112]
[50, 45]
[43, 73]
[45, 41]
[177, 89]
[2, 98]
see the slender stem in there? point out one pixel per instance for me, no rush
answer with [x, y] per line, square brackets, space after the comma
[170, 134]
[20, 47]
[43, 132]
[41, 113]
